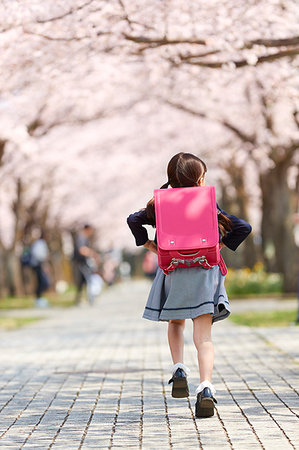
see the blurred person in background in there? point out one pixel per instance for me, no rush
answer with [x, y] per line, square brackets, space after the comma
[111, 263]
[150, 265]
[85, 262]
[39, 253]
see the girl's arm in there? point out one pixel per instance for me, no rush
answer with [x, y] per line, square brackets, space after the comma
[136, 222]
[240, 231]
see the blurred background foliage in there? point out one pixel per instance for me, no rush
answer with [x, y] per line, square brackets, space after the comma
[97, 95]
[245, 282]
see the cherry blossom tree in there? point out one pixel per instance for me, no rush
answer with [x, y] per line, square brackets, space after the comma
[96, 96]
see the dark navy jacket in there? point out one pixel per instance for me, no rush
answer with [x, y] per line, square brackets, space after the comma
[232, 240]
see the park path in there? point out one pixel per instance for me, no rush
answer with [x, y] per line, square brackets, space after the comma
[97, 378]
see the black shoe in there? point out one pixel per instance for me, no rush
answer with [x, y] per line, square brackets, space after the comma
[204, 406]
[180, 386]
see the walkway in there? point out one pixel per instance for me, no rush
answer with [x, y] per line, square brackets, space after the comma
[97, 378]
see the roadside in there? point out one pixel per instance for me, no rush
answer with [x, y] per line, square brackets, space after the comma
[97, 378]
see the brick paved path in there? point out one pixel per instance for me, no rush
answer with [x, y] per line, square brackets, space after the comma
[91, 378]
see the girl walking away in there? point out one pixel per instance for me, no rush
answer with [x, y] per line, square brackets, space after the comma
[189, 292]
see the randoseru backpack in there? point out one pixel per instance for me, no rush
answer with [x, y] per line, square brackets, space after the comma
[187, 228]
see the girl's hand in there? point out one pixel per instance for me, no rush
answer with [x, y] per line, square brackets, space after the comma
[151, 246]
[221, 245]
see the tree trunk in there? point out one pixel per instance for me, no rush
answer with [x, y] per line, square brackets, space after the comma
[280, 251]
[248, 250]
[240, 209]
[228, 205]
[2, 277]
[267, 230]
[12, 274]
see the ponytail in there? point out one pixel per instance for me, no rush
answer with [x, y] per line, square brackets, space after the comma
[224, 224]
[165, 186]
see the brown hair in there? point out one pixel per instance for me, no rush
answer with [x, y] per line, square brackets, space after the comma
[185, 170]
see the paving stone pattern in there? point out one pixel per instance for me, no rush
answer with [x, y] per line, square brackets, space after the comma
[97, 378]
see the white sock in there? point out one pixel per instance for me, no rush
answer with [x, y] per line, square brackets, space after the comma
[180, 366]
[203, 385]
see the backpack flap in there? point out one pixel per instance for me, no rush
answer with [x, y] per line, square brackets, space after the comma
[186, 218]
[187, 227]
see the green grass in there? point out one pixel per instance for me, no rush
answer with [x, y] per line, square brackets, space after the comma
[57, 300]
[265, 318]
[12, 323]
[62, 300]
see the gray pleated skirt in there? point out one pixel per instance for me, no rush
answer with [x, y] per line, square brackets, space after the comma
[187, 293]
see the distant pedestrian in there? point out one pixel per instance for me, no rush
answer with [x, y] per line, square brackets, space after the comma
[190, 292]
[150, 265]
[85, 262]
[39, 253]
[110, 267]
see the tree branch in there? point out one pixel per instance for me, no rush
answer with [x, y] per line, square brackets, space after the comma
[265, 108]
[42, 129]
[273, 42]
[61, 16]
[36, 122]
[245, 62]
[239, 133]
[3, 143]
[62, 39]
[159, 42]
[296, 117]
[198, 55]
[126, 16]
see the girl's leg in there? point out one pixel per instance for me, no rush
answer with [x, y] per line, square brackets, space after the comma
[202, 327]
[179, 370]
[176, 339]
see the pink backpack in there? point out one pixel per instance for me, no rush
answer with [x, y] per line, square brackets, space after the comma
[187, 228]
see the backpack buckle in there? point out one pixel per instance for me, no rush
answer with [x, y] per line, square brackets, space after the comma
[201, 260]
